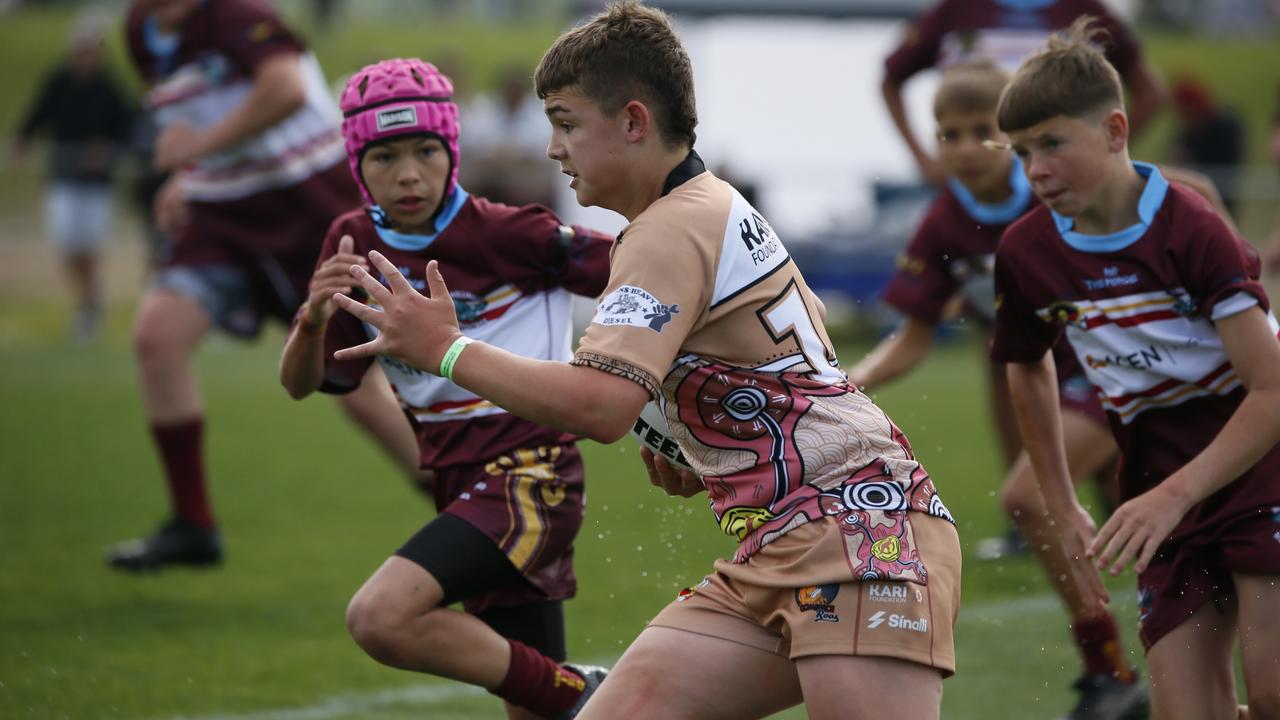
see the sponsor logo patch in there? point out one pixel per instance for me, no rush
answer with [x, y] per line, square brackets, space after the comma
[397, 117]
[887, 593]
[630, 305]
[897, 622]
[819, 599]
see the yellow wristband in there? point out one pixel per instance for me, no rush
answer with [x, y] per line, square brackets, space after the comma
[451, 356]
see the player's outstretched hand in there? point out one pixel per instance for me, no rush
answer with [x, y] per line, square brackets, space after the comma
[1136, 529]
[1078, 529]
[414, 328]
[672, 481]
[333, 277]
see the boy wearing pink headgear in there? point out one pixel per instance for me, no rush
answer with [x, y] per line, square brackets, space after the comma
[845, 584]
[509, 491]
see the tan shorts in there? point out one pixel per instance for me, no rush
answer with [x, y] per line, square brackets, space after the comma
[798, 596]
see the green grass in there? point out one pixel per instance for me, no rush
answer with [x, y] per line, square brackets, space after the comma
[309, 509]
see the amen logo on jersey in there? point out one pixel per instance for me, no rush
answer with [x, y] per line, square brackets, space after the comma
[1149, 350]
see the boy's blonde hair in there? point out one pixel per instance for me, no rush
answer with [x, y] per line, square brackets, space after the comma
[628, 52]
[1068, 76]
[970, 87]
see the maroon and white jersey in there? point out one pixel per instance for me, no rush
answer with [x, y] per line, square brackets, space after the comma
[1004, 31]
[706, 310]
[202, 74]
[510, 271]
[954, 251]
[1139, 308]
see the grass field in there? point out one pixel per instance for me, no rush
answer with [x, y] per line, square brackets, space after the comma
[309, 510]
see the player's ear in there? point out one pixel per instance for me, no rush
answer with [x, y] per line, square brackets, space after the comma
[1116, 127]
[637, 121]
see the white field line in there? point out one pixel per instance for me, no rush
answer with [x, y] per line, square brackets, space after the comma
[429, 695]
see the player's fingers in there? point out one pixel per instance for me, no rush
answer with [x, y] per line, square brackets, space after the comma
[376, 290]
[1127, 553]
[646, 457]
[1147, 552]
[343, 260]
[389, 271]
[435, 281]
[369, 349]
[346, 244]
[1113, 542]
[691, 484]
[1104, 535]
[359, 309]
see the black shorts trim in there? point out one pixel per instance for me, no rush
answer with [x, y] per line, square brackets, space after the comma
[467, 563]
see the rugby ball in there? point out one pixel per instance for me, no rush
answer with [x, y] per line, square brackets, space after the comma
[652, 431]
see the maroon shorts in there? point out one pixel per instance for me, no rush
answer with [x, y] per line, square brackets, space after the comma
[272, 238]
[1198, 568]
[530, 503]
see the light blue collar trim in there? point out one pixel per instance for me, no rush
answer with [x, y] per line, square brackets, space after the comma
[160, 44]
[410, 242]
[1001, 213]
[1025, 4]
[1150, 201]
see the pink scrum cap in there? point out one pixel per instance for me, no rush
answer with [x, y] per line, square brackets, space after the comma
[398, 97]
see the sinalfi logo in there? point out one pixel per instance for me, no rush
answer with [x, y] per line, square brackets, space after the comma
[897, 622]
[397, 117]
[821, 600]
[630, 305]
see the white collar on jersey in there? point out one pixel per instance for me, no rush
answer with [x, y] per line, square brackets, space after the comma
[1150, 201]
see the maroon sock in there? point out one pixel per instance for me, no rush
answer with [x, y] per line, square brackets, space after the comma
[537, 683]
[1099, 644]
[180, 452]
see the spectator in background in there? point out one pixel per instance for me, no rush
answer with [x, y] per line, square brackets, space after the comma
[506, 141]
[82, 108]
[1210, 137]
[1007, 31]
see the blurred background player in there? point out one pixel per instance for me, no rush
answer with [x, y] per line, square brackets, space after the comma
[706, 314]
[89, 119]
[506, 143]
[950, 257]
[1209, 138]
[251, 135]
[1160, 300]
[1007, 31]
[509, 492]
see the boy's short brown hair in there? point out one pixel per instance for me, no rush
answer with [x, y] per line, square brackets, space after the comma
[1068, 76]
[628, 52]
[970, 87]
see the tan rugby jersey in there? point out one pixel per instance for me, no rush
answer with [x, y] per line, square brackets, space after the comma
[706, 310]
